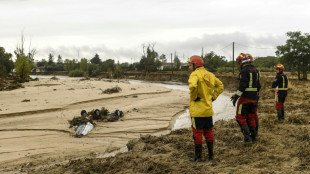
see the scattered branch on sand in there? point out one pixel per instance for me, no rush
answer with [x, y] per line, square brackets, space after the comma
[26, 100]
[112, 90]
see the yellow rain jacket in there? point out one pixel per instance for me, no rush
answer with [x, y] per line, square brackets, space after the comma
[205, 85]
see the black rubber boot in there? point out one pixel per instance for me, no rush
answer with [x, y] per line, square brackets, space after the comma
[210, 150]
[246, 133]
[282, 114]
[198, 151]
[279, 115]
[253, 134]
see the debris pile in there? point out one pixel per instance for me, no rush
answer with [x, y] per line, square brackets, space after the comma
[112, 90]
[83, 124]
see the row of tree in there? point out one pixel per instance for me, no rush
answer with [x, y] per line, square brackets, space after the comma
[295, 55]
[149, 62]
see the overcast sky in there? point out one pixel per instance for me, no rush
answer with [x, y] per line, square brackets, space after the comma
[117, 28]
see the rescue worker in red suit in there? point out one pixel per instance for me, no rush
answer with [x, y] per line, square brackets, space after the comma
[247, 93]
[204, 88]
[280, 83]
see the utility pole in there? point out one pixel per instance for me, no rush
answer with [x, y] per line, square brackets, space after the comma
[171, 64]
[233, 56]
[201, 52]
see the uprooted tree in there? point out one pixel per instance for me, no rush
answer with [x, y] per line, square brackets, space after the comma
[296, 53]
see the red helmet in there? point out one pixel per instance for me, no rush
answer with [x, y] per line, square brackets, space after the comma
[249, 56]
[197, 60]
[244, 58]
[280, 67]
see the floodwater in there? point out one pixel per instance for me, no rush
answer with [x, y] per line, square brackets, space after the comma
[222, 106]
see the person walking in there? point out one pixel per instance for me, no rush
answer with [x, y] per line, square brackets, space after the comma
[280, 83]
[247, 96]
[204, 88]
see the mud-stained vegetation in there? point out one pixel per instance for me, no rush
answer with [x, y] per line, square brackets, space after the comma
[280, 147]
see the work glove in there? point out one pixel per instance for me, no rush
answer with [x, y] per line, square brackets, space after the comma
[197, 99]
[234, 99]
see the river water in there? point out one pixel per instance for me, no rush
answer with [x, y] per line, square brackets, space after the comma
[222, 106]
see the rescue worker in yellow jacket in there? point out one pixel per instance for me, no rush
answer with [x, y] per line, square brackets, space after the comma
[204, 88]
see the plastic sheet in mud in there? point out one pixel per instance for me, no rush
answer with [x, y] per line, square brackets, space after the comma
[83, 129]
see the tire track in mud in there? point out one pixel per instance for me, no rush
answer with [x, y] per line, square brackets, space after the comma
[73, 105]
[132, 131]
[33, 112]
[25, 136]
[27, 150]
[53, 130]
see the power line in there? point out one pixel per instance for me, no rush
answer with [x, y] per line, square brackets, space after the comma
[224, 47]
[252, 47]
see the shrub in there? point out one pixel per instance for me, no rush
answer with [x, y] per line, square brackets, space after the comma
[76, 73]
[23, 68]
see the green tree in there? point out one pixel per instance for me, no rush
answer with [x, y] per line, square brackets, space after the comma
[95, 60]
[266, 63]
[176, 62]
[124, 66]
[50, 59]
[41, 63]
[147, 62]
[23, 68]
[163, 58]
[213, 61]
[296, 53]
[108, 65]
[83, 65]
[70, 65]
[6, 63]
[158, 63]
[59, 60]
[93, 70]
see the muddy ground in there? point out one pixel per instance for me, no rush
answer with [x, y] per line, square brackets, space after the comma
[34, 120]
[281, 147]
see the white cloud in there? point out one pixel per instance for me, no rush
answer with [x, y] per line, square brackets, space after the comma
[118, 28]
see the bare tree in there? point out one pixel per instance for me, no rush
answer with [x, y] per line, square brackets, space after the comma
[31, 52]
[20, 50]
[143, 49]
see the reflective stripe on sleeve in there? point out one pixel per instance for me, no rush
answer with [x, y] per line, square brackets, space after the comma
[250, 89]
[240, 108]
[282, 89]
[239, 93]
[193, 122]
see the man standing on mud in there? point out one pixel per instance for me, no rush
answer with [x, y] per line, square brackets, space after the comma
[204, 88]
[247, 93]
[280, 83]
